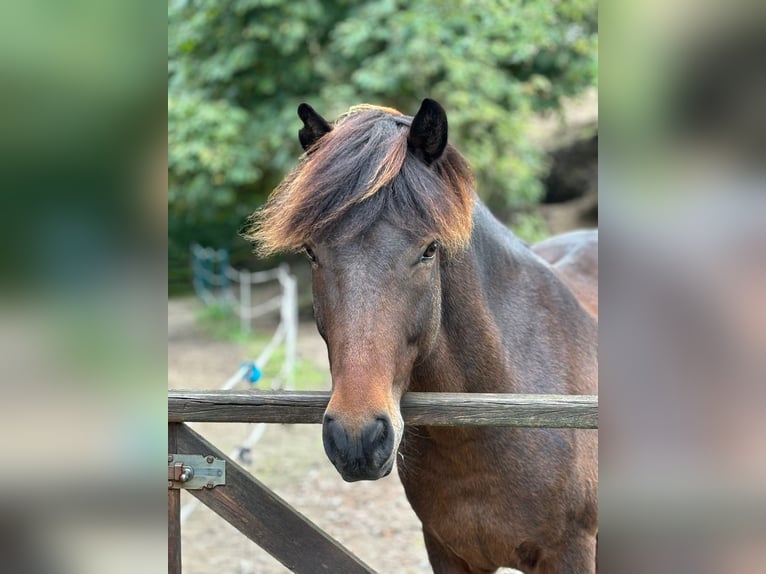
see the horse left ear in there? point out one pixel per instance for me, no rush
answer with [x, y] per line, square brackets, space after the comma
[428, 132]
[314, 126]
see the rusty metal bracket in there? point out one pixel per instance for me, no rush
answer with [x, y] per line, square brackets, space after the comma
[195, 471]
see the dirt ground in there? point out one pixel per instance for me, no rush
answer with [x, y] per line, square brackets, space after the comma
[372, 519]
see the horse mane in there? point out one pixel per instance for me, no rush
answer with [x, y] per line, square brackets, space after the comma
[359, 173]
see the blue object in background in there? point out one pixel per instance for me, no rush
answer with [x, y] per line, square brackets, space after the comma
[253, 374]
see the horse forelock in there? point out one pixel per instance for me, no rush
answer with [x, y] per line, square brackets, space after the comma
[360, 172]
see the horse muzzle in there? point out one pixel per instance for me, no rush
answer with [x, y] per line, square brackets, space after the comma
[360, 454]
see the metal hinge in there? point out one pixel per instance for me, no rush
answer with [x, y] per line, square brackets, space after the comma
[194, 471]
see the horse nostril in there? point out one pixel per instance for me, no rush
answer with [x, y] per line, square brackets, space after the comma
[376, 431]
[334, 438]
[377, 441]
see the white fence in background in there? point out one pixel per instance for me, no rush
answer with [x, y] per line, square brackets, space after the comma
[216, 282]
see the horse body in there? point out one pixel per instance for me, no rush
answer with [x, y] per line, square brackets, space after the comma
[491, 497]
[418, 287]
[574, 257]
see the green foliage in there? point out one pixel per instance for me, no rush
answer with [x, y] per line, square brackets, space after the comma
[489, 63]
[238, 69]
[530, 227]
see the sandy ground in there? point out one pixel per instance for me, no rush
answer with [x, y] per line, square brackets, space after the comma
[372, 519]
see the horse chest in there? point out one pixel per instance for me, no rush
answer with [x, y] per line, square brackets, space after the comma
[463, 500]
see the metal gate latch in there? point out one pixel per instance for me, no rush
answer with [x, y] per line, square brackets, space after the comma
[194, 471]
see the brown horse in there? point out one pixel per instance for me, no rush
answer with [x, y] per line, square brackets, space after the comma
[418, 287]
[574, 257]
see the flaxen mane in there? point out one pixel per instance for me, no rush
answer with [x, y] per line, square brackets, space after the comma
[360, 172]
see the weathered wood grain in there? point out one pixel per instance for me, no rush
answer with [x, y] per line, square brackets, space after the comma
[174, 511]
[431, 409]
[268, 520]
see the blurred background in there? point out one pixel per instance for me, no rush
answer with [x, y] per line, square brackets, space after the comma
[82, 285]
[682, 331]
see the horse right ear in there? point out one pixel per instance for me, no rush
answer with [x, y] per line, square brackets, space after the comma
[428, 132]
[314, 126]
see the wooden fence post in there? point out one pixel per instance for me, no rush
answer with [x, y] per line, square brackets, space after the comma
[174, 510]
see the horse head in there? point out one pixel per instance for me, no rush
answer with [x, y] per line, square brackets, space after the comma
[377, 203]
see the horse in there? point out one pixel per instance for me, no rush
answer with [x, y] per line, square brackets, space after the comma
[417, 287]
[574, 257]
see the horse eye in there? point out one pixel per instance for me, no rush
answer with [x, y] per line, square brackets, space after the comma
[309, 254]
[430, 251]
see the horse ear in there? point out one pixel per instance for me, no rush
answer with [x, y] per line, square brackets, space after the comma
[428, 132]
[314, 126]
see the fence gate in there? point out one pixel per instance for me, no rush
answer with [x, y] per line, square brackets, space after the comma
[256, 512]
[266, 519]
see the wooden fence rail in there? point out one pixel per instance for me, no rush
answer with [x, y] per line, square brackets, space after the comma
[271, 522]
[431, 409]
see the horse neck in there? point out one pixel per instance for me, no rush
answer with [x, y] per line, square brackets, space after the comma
[508, 324]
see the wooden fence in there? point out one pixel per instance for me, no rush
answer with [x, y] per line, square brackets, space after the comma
[271, 522]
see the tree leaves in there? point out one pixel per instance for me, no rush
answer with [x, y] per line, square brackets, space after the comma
[237, 71]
